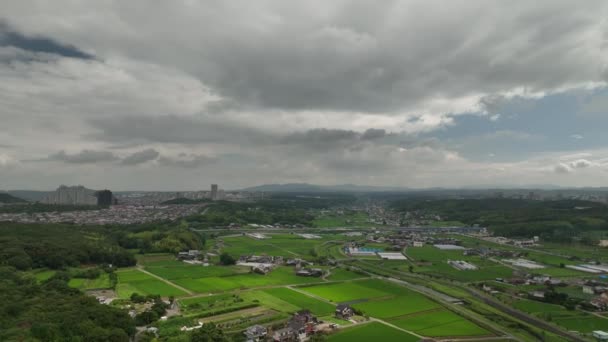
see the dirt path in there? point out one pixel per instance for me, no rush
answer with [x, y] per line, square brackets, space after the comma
[141, 269]
[396, 327]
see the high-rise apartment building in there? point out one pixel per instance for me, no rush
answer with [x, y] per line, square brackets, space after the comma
[214, 192]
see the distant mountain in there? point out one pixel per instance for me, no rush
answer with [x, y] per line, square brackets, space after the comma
[182, 200]
[30, 195]
[305, 187]
[8, 198]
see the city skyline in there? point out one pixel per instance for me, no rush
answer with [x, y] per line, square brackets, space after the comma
[416, 94]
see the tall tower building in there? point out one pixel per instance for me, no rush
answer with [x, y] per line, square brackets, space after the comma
[104, 198]
[213, 192]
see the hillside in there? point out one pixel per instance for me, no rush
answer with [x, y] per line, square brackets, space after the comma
[8, 198]
[305, 187]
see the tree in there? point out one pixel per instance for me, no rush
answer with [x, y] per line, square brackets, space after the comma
[410, 268]
[317, 338]
[209, 332]
[226, 259]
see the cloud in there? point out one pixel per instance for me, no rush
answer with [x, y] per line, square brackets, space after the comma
[184, 160]
[576, 136]
[562, 168]
[83, 157]
[140, 157]
[172, 129]
[314, 91]
[580, 164]
[38, 44]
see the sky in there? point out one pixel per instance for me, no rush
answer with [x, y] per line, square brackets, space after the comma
[175, 95]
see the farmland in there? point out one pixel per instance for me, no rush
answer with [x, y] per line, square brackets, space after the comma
[133, 281]
[346, 292]
[439, 323]
[102, 282]
[372, 332]
[571, 320]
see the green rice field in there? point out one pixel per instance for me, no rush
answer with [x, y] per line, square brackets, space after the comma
[373, 331]
[348, 291]
[439, 323]
[133, 281]
[279, 276]
[102, 282]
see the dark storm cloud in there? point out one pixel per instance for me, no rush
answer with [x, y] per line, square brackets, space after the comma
[83, 157]
[36, 44]
[373, 133]
[140, 157]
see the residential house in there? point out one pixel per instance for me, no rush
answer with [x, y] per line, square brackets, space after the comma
[256, 333]
[344, 311]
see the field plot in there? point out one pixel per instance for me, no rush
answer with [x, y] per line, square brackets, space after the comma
[302, 301]
[133, 281]
[372, 332]
[353, 219]
[439, 323]
[488, 270]
[183, 270]
[406, 303]
[349, 291]
[279, 276]
[338, 274]
[571, 320]
[285, 245]
[101, 282]
[43, 275]
[210, 305]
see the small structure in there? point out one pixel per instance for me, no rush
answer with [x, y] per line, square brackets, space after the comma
[152, 330]
[310, 272]
[344, 311]
[462, 265]
[299, 327]
[189, 255]
[284, 335]
[524, 263]
[391, 256]
[600, 335]
[418, 244]
[262, 269]
[256, 333]
[445, 247]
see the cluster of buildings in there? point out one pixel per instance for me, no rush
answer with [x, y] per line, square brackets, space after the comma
[522, 243]
[116, 214]
[79, 195]
[300, 327]
[264, 264]
[215, 193]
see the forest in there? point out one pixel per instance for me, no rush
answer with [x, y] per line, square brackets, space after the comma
[52, 311]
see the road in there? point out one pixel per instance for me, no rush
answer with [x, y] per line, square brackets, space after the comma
[525, 317]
